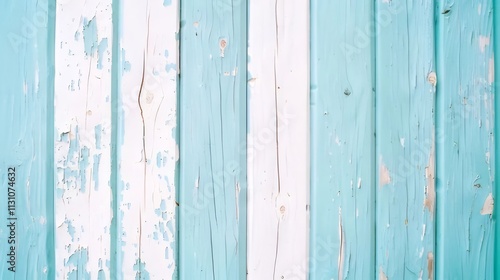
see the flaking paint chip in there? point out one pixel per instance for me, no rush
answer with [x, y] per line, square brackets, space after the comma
[382, 275]
[222, 45]
[488, 205]
[484, 41]
[384, 176]
[432, 78]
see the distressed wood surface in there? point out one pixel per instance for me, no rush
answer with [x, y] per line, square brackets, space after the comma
[212, 211]
[127, 170]
[342, 141]
[278, 140]
[146, 138]
[405, 154]
[26, 28]
[82, 145]
[465, 138]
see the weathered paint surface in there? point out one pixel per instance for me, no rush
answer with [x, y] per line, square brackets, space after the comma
[92, 133]
[212, 211]
[405, 91]
[146, 138]
[278, 146]
[26, 142]
[465, 140]
[342, 141]
[83, 139]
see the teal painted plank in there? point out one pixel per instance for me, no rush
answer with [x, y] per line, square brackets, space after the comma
[406, 82]
[26, 52]
[342, 244]
[212, 213]
[116, 118]
[496, 44]
[465, 138]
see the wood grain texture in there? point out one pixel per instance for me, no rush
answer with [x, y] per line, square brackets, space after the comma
[26, 144]
[465, 138]
[82, 146]
[127, 170]
[212, 211]
[278, 139]
[405, 169]
[147, 148]
[342, 244]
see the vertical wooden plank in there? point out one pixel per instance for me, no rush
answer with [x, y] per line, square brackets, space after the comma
[278, 140]
[26, 53]
[465, 140]
[82, 144]
[342, 140]
[496, 191]
[147, 147]
[406, 83]
[212, 213]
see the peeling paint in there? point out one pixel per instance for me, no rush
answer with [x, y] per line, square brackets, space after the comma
[90, 35]
[432, 78]
[491, 71]
[147, 153]
[430, 192]
[488, 205]
[341, 248]
[483, 42]
[381, 275]
[384, 176]
[222, 45]
[430, 265]
[82, 119]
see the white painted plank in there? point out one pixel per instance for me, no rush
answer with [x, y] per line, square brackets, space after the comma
[278, 141]
[83, 132]
[147, 149]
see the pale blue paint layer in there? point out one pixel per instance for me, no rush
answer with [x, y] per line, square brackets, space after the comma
[101, 48]
[496, 44]
[212, 216]
[466, 139]
[79, 261]
[342, 141]
[118, 64]
[26, 122]
[90, 35]
[405, 139]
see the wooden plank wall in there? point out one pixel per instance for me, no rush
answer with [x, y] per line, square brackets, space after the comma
[364, 133]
